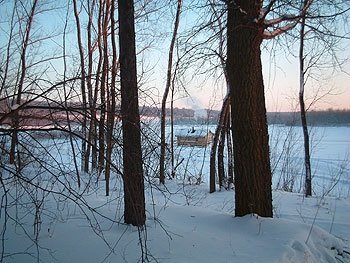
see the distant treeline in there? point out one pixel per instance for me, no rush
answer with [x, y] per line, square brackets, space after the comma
[322, 118]
[316, 118]
[42, 111]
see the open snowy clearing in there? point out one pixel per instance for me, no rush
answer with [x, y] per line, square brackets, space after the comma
[184, 222]
[203, 230]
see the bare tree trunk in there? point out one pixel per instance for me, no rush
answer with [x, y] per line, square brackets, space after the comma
[65, 93]
[165, 95]
[134, 197]
[172, 130]
[224, 114]
[82, 85]
[15, 120]
[111, 101]
[92, 104]
[229, 152]
[97, 88]
[5, 68]
[214, 146]
[307, 160]
[221, 146]
[252, 170]
[104, 7]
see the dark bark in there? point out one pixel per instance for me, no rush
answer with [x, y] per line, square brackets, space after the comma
[97, 89]
[71, 141]
[165, 95]
[249, 126]
[214, 146]
[92, 102]
[134, 198]
[229, 153]
[224, 114]
[221, 146]
[172, 131]
[104, 6]
[111, 101]
[82, 84]
[25, 43]
[307, 160]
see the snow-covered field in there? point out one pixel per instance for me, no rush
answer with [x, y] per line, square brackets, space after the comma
[184, 222]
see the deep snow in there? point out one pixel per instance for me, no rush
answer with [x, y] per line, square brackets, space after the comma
[184, 222]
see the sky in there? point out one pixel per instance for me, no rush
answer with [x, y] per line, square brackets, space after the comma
[280, 71]
[281, 80]
[331, 88]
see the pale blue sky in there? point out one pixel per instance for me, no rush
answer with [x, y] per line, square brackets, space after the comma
[281, 74]
[281, 88]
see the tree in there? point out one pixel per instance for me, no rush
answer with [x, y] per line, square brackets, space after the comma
[218, 25]
[318, 41]
[82, 84]
[249, 126]
[134, 199]
[307, 159]
[111, 100]
[247, 27]
[166, 92]
[20, 82]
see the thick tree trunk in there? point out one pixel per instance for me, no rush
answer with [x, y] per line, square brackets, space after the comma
[134, 197]
[249, 126]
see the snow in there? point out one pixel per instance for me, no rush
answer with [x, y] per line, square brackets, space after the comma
[184, 222]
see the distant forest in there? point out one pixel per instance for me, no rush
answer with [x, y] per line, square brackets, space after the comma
[43, 113]
[316, 118]
[328, 117]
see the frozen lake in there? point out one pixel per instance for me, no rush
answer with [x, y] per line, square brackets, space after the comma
[330, 153]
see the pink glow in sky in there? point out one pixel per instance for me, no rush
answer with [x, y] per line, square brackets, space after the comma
[281, 89]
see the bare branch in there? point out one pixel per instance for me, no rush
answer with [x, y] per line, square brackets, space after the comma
[278, 31]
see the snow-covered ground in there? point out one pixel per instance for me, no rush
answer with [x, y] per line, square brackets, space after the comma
[184, 222]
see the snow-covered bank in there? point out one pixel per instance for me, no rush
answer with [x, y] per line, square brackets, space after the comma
[186, 224]
[54, 221]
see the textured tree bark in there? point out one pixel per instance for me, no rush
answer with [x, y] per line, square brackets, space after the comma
[249, 126]
[134, 197]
